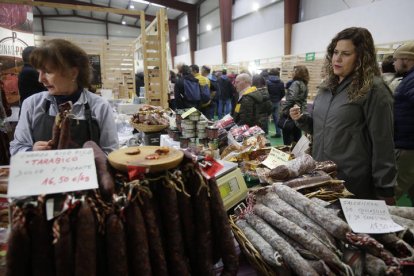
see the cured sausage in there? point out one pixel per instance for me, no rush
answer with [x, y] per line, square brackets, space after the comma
[202, 223]
[331, 223]
[275, 203]
[222, 231]
[115, 247]
[187, 224]
[293, 168]
[270, 255]
[289, 254]
[176, 259]
[64, 251]
[85, 251]
[137, 242]
[64, 138]
[18, 253]
[156, 250]
[301, 236]
[103, 169]
[404, 212]
[41, 250]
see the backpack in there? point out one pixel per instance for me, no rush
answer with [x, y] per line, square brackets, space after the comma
[205, 94]
[192, 91]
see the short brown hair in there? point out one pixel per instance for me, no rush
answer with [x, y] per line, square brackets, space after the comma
[63, 55]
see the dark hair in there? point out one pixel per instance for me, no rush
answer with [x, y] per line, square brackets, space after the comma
[274, 72]
[258, 81]
[300, 72]
[173, 76]
[387, 65]
[366, 63]
[224, 72]
[62, 55]
[206, 68]
[26, 53]
[185, 70]
[195, 68]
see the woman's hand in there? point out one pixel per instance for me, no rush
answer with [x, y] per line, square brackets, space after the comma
[295, 112]
[42, 145]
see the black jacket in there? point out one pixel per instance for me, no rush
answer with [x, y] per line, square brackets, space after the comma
[180, 99]
[276, 88]
[28, 82]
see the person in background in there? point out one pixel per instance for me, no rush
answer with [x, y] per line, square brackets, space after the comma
[204, 84]
[404, 120]
[276, 89]
[352, 118]
[28, 79]
[5, 111]
[266, 109]
[214, 90]
[65, 72]
[389, 75]
[171, 84]
[181, 100]
[227, 91]
[139, 82]
[252, 107]
[297, 94]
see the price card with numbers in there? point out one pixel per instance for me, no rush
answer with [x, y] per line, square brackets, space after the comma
[275, 158]
[368, 216]
[52, 171]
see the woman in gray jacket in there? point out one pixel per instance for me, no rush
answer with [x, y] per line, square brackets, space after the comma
[352, 118]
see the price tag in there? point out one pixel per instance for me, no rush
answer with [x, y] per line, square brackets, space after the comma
[275, 158]
[368, 216]
[188, 112]
[51, 172]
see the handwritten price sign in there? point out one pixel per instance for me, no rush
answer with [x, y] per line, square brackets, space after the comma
[51, 172]
[368, 216]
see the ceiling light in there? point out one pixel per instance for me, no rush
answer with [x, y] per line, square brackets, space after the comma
[183, 38]
[131, 6]
[123, 22]
[208, 27]
[141, 1]
[255, 6]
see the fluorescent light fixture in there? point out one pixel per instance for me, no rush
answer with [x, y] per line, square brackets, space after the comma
[183, 38]
[255, 6]
[148, 3]
[208, 27]
[131, 6]
[123, 22]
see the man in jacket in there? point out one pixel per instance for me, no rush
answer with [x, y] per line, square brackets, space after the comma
[276, 89]
[404, 120]
[226, 94]
[251, 104]
[28, 79]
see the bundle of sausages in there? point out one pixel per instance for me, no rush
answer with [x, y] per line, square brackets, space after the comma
[171, 223]
[288, 229]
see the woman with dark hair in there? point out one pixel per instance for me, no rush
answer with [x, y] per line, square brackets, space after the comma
[296, 94]
[264, 112]
[65, 71]
[352, 118]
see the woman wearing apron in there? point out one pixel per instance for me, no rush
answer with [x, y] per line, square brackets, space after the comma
[65, 72]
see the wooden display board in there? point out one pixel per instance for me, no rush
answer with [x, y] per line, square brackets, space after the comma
[152, 47]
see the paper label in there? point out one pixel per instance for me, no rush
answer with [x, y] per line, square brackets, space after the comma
[188, 112]
[52, 171]
[275, 158]
[368, 216]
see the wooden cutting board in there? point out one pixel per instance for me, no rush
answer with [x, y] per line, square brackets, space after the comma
[120, 159]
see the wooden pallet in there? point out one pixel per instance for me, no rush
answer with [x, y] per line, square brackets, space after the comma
[152, 46]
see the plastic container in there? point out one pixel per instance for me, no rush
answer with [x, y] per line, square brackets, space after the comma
[212, 132]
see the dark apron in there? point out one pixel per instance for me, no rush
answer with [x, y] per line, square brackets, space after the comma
[80, 130]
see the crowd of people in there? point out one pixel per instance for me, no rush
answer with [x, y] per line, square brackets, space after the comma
[361, 118]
